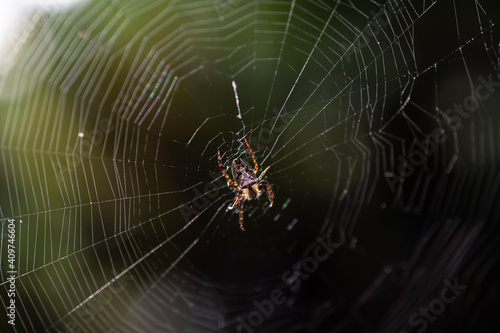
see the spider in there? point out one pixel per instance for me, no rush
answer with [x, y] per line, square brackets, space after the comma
[246, 183]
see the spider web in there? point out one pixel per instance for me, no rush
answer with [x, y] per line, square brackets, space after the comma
[378, 120]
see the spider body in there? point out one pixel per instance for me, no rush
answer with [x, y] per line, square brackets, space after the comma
[245, 178]
[246, 183]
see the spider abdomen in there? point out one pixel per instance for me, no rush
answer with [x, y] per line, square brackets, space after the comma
[251, 192]
[242, 173]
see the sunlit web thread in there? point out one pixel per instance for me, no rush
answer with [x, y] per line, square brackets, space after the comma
[118, 276]
[236, 98]
[320, 83]
[199, 127]
[153, 285]
[327, 23]
[154, 95]
[285, 34]
[113, 280]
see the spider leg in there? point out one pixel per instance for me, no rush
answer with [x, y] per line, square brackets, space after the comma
[229, 180]
[253, 157]
[269, 191]
[235, 202]
[241, 215]
[263, 173]
[270, 194]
